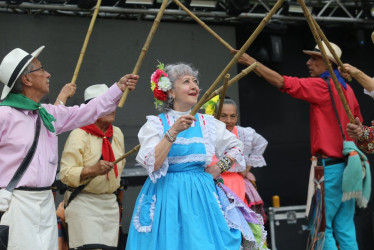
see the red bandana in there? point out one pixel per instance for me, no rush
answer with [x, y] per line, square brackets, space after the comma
[107, 150]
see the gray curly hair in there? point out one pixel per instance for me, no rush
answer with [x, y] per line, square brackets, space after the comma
[175, 71]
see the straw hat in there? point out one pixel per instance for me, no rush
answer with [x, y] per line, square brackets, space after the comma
[317, 52]
[94, 91]
[12, 66]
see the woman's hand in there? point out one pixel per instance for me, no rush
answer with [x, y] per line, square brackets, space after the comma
[350, 71]
[214, 170]
[246, 171]
[183, 123]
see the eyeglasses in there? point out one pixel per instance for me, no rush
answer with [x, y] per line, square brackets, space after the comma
[41, 68]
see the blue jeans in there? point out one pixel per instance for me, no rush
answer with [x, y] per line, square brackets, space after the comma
[339, 215]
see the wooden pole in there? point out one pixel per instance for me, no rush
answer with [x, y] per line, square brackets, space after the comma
[84, 47]
[324, 38]
[233, 61]
[207, 95]
[222, 96]
[327, 61]
[207, 28]
[135, 149]
[239, 76]
[243, 73]
[145, 48]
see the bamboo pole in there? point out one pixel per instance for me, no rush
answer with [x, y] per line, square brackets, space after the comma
[222, 96]
[324, 38]
[209, 94]
[327, 61]
[133, 150]
[207, 28]
[239, 76]
[145, 48]
[243, 73]
[233, 61]
[85, 43]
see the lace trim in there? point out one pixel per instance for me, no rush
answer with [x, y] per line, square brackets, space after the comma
[186, 141]
[208, 128]
[370, 93]
[187, 158]
[149, 165]
[255, 160]
[237, 154]
[136, 222]
[236, 168]
[246, 136]
[248, 210]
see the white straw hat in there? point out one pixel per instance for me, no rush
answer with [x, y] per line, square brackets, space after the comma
[317, 52]
[94, 91]
[12, 66]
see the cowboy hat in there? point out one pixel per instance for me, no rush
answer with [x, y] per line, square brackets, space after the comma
[317, 52]
[13, 65]
[94, 91]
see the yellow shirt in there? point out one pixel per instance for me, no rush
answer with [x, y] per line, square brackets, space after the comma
[84, 150]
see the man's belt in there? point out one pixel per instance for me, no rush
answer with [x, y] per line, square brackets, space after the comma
[33, 188]
[329, 161]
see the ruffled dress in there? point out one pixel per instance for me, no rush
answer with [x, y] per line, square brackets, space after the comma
[244, 188]
[179, 206]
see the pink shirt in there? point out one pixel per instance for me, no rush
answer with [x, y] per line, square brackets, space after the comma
[17, 130]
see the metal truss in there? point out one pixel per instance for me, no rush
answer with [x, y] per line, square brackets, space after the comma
[328, 11]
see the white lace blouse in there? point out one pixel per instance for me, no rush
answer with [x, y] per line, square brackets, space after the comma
[254, 146]
[370, 93]
[217, 139]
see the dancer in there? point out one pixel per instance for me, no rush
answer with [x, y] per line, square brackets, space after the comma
[326, 137]
[241, 180]
[179, 206]
[91, 208]
[29, 211]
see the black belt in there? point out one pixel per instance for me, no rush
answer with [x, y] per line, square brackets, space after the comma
[33, 188]
[331, 161]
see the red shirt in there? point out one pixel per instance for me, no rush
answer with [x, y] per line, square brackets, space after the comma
[325, 135]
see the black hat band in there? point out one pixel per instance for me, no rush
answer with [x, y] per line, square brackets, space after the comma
[16, 71]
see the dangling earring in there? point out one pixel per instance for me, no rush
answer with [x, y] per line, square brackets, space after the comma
[170, 101]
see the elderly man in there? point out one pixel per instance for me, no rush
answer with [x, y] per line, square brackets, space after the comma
[93, 212]
[29, 209]
[326, 137]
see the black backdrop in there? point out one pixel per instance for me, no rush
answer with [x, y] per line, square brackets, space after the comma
[284, 121]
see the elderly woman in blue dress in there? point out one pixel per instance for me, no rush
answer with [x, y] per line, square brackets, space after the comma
[179, 206]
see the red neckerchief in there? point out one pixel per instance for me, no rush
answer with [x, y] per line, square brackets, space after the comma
[107, 150]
